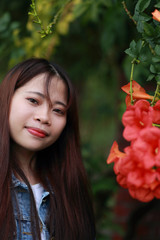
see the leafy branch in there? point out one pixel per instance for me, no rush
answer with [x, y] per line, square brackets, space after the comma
[44, 32]
[146, 49]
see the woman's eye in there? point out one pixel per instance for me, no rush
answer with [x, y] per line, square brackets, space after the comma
[32, 100]
[59, 111]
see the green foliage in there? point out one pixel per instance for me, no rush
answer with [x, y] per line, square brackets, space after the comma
[147, 48]
[36, 19]
[7, 28]
[141, 6]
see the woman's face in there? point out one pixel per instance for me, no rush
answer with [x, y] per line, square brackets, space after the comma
[35, 122]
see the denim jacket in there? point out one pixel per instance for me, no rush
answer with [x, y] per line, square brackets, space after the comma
[23, 198]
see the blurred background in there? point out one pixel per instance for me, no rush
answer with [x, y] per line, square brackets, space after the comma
[88, 40]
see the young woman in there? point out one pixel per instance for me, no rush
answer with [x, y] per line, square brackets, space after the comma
[43, 184]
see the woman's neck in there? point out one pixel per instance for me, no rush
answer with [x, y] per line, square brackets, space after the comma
[26, 161]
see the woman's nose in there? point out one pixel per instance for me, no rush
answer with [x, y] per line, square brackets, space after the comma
[42, 115]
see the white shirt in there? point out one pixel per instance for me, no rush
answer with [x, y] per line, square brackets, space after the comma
[37, 192]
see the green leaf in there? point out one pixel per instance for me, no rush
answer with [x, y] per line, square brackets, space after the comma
[139, 26]
[137, 50]
[157, 78]
[140, 18]
[30, 13]
[142, 5]
[144, 54]
[155, 68]
[133, 44]
[157, 49]
[139, 46]
[150, 77]
[148, 29]
[43, 36]
[157, 5]
[131, 51]
[144, 17]
[156, 59]
[152, 68]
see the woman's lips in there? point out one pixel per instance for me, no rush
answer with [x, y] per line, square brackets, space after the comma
[37, 132]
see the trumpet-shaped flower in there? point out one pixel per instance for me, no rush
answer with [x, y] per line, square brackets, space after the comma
[156, 15]
[115, 156]
[138, 168]
[138, 93]
[135, 118]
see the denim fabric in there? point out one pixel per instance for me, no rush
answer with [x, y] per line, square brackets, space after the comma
[22, 197]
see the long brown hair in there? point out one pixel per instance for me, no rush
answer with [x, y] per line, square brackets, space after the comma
[60, 166]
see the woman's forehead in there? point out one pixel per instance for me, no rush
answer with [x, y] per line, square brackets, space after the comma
[49, 87]
[43, 81]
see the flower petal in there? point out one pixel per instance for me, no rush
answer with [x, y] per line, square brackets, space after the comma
[121, 179]
[135, 86]
[142, 194]
[115, 154]
[138, 92]
[156, 15]
[135, 178]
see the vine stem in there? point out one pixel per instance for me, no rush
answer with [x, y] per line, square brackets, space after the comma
[155, 125]
[156, 94]
[128, 12]
[135, 61]
[131, 80]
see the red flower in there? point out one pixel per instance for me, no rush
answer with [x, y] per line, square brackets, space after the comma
[147, 148]
[138, 168]
[135, 118]
[138, 92]
[156, 15]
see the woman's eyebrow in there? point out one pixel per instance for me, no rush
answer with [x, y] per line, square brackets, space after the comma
[61, 103]
[38, 93]
[43, 96]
